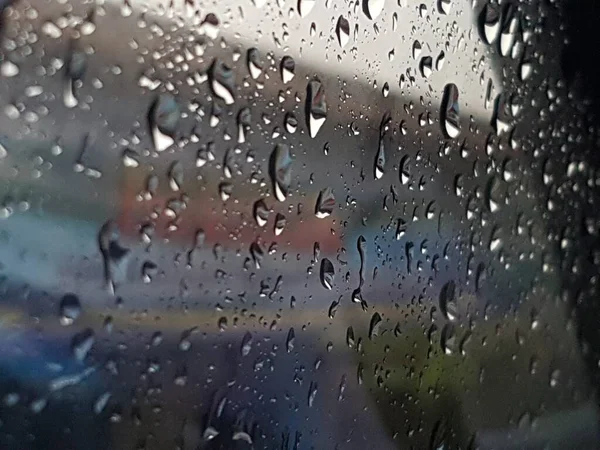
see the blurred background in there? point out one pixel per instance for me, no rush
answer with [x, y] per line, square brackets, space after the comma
[298, 225]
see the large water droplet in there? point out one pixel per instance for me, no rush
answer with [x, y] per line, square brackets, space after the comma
[82, 343]
[510, 23]
[305, 7]
[342, 31]
[288, 69]
[255, 66]
[426, 66]
[490, 23]
[316, 107]
[372, 8]
[279, 224]
[257, 254]
[280, 168]
[75, 70]
[222, 81]
[374, 325]
[176, 176]
[244, 120]
[246, 344]
[444, 6]
[405, 169]
[325, 203]
[70, 309]
[448, 305]
[327, 273]
[384, 127]
[114, 255]
[261, 213]
[163, 120]
[450, 111]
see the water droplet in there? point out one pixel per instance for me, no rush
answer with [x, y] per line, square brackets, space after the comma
[448, 339]
[261, 213]
[82, 343]
[76, 67]
[291, 123]
[327, 273]
[439, 62]
[9, 69]
[374, 325]
[510, 23]
[405, 169]
[425, 66]
[325, 203]
[255, 66]
[448, 305]
[450, 111]
[176, 176]
[372, 8]
[493, 195]
[280, 168]
[130, 158]
[416, 50]
[222, 81]
[70, 309]
[149, 270]
[244, 120]
[279, 224]
[225, 190]
[490, 23]
[205, 154]
[257, 254]
[342, 31]
[115, 256]
[246, 344]
[444, 6]
[288, 69]
[305, 7]
[312, 393]
[316, 107]
[290, 340]
[163, 120]
[400, 229]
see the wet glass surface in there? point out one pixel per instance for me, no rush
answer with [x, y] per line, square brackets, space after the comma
[295, 225]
